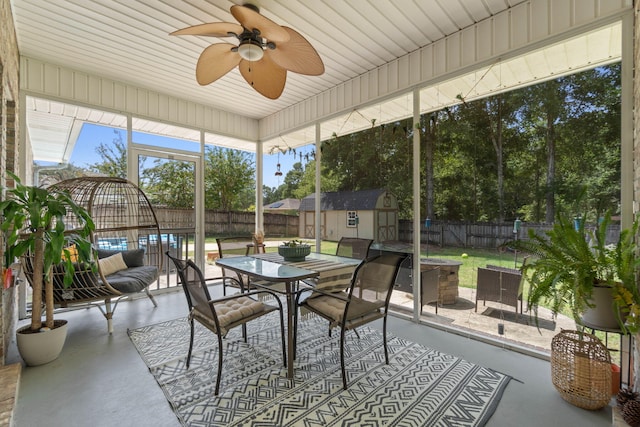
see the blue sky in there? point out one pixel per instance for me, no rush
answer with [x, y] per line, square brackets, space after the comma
[91, 136]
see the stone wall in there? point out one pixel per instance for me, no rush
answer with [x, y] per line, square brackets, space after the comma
[9, 106]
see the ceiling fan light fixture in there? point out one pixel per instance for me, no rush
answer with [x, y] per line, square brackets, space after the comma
[250, 51]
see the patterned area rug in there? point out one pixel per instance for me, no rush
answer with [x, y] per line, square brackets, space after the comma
[419, 387]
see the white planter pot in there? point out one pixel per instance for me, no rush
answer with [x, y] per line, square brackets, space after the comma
[41, 347]
[602, 316]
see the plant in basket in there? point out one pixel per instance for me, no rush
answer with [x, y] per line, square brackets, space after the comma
[294, 250]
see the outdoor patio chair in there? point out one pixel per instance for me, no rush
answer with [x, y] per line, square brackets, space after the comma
[353, 247]
[349, 247]
[366, 299]
[222, 314]
[430, 287]
[234, 246]
[499, 284]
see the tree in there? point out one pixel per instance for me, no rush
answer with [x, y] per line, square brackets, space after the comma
[229, 179]
[114, 158]
[292, 181]
[490, 118]
[169, 183]
[544, 108]
[269, 194]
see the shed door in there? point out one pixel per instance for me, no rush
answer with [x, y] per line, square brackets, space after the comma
[386, 226]
[310, 225]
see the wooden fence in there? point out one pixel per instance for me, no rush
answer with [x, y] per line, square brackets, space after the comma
[222, 223]
[441, 233]
[478, 235]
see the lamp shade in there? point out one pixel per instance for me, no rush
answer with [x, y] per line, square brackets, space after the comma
[250, 51]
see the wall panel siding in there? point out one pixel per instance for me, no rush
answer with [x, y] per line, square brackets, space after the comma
[72, 86]
[526, 25]
[561, 17]
[469, 46]
[520, 29]
[415, 67]
[586, 12]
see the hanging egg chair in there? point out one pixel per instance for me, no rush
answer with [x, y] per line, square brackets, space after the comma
[127, 245]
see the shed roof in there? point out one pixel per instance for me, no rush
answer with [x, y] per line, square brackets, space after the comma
[343, 200]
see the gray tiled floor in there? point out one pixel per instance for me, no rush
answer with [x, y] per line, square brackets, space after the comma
[100, 380]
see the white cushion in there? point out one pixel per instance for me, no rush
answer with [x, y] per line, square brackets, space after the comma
[112, 264]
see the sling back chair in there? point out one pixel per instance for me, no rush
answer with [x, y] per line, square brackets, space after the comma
[349, 247]
[230, 247]
[366, 299]
[222, 314]
[353, 247]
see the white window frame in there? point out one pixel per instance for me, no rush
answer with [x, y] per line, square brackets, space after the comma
[352, 219]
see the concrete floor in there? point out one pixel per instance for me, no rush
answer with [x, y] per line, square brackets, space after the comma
[100, 380]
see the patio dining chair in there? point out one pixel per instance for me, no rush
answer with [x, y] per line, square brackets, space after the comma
[366, 299]
[348, 247]
[353, 247]
[222, 314]
[229, 247]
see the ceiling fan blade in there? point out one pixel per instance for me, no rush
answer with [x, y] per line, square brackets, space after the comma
[265, 76]
[215, 29]
[216, 61]
[297, 55]
[251, 20]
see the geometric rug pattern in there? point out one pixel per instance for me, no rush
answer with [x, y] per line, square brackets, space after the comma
[419, 387]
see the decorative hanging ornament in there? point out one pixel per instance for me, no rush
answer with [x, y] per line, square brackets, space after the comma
[278, 172]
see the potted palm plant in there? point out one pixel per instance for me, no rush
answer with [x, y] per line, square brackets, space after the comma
[574, 267]
[34, 225]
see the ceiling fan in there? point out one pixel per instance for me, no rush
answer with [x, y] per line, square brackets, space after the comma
[266, 51]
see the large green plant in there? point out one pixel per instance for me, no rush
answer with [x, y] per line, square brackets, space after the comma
[33, 222]
[570, 259]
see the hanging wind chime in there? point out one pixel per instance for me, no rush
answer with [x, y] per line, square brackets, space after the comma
[278, 171]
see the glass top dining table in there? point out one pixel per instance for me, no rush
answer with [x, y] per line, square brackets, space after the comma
[271, 268]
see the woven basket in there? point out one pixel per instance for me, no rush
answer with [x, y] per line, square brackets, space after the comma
[631, 413]
[581, 369]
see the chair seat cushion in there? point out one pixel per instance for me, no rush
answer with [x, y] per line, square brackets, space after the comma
[334, 307]
[134, 279]
[231, 311]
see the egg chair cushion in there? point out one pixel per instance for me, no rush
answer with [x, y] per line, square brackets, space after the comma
[133, 279]
[133, 257]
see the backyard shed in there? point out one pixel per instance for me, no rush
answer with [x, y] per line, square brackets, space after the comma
[369, 214]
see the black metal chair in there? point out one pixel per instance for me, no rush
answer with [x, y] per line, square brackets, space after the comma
[222, 314]
[366, 299]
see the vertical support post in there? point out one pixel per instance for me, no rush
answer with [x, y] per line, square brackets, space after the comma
[417, 298]
[259, 220]
[627, 207]
[318, 215]
[199, 204]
